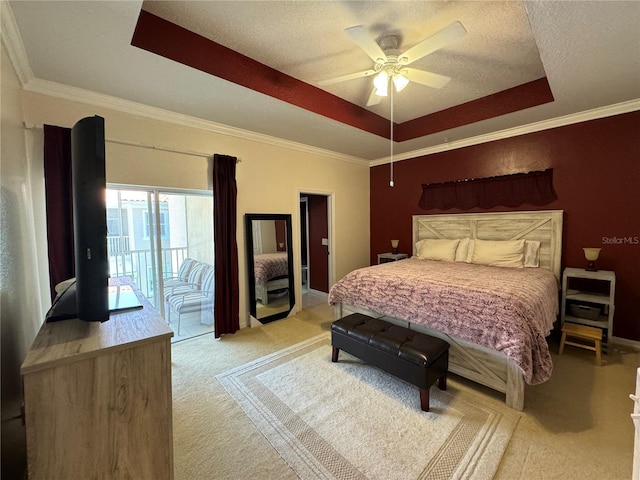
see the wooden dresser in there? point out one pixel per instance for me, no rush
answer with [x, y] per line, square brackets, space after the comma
[98, 398]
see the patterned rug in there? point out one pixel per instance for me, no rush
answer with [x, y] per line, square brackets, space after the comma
[348, 420]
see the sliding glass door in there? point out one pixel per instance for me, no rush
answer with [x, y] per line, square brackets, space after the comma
[151, 232]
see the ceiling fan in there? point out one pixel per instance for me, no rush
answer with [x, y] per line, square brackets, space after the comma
[391, 64]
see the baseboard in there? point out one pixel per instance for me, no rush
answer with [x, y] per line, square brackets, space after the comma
[316, 292]
[254, 322]
[625, 342]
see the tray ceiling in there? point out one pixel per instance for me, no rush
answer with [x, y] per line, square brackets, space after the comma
[520, 63]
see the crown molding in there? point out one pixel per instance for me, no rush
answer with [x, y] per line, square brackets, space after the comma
[11, 38]
[58, 90]
[12, 41]
[594, 114]
[66, 92]
[75, 94]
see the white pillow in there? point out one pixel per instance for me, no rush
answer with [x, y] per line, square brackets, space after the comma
[437, 249]
[462, 250]
[531, 253]
[472, 244]
[498, 253]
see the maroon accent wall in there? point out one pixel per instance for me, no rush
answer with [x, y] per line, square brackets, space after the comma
[596, 168]
[318, 253]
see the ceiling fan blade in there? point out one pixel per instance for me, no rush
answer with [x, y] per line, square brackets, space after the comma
[361, 37]
[344, 78]
[373, 98]
[435, 42]
[430, 79]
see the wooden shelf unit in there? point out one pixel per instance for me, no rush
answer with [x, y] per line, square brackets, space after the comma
[606, 300]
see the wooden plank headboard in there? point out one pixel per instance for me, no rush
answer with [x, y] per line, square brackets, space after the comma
[544, 226]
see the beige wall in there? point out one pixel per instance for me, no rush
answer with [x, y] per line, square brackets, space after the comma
[269, 177]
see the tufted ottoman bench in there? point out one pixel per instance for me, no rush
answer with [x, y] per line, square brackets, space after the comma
[412, 356]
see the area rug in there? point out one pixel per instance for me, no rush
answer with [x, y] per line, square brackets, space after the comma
[348, 420]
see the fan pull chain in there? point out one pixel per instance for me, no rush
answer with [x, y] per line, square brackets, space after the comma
[391, 180]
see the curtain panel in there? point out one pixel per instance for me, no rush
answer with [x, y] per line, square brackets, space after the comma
[535, 188]
[226, 311]
[59, 204]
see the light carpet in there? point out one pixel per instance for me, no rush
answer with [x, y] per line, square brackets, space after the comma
[350, 420]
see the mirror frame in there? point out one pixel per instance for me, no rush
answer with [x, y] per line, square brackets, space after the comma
[248, 232]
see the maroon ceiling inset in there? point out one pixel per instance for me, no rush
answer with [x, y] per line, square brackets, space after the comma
[511, 100]
[174, 42]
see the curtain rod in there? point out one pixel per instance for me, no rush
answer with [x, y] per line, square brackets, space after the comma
[30, 126]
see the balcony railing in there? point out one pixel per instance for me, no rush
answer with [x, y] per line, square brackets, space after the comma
[141, 267]
[117, 244]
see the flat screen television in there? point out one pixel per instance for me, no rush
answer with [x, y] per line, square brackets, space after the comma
[87, 298]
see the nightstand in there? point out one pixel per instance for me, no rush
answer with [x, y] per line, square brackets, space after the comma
[391, 257]
[587, 306]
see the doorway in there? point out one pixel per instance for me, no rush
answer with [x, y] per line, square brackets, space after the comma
[315, 226]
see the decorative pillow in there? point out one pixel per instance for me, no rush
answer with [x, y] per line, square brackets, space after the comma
[472, 244]
[531, 253]
[462, 250]
[437, 249]
[498, 253]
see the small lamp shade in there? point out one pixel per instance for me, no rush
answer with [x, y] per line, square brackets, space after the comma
[394, 245]
[591, 254]
[400, 81]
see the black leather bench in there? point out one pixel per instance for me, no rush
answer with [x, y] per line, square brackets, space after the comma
[412, 356]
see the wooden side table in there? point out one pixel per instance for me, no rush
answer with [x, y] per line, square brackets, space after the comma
[582, 298]
[391, 257]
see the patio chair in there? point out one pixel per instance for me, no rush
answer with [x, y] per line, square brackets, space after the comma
[182, 275]
[189, 300]
[193, 280]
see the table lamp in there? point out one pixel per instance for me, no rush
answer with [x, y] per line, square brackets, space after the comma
[591, 254]
[394, 245]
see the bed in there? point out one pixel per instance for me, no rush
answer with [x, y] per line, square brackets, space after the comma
[495, 317]
[271, 272]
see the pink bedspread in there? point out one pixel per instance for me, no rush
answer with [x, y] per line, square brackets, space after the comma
[510, 310]
[270, 265]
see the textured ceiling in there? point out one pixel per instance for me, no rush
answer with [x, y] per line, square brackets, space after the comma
[589, 53]
[306, 40]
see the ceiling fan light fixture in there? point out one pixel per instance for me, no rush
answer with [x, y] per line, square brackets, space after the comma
[400, 81]
[391, 64]
[381, 82]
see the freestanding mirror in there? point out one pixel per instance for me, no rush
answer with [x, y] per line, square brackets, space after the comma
[269, 265]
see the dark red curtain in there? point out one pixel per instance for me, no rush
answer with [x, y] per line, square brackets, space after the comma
[59, 204]
[533, 188]
[226, 312]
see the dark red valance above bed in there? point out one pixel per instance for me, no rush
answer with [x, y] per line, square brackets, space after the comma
[533, 188]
